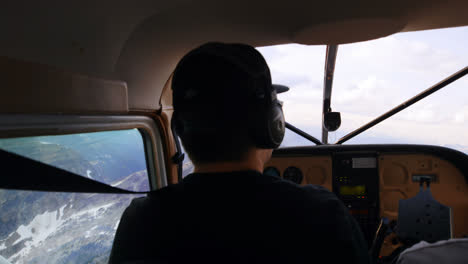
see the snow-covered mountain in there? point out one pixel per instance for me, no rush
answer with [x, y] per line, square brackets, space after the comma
[62, 227]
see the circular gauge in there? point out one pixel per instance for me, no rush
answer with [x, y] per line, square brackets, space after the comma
[271, 171]
[293, 174]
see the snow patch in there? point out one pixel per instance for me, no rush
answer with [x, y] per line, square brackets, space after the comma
[44, 225]
[94, 212]
[119, 182]
[41, 227]
[88, 173]
[126, 178]
[4, 260]
[117, 225]
[88, 233]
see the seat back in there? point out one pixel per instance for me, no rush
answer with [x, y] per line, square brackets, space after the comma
[453, 251]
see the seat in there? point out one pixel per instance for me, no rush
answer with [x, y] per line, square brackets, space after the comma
[454, 251]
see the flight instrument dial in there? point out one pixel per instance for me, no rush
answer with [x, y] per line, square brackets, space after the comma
[293, 174]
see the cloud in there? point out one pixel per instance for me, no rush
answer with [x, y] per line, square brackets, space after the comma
[461, 116]
[293, 64]
[405, 131]
[365, 96]
[368, 88]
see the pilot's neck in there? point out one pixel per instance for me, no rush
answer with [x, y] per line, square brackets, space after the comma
[254, 161]
[226, 167]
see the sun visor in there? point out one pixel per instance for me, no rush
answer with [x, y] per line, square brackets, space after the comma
[30, 88]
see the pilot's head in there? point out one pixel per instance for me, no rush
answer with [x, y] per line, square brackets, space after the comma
[225, 105]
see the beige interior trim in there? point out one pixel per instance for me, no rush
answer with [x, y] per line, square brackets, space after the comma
[166, 95]
[450, 188]
[316, 170]
[40, 89]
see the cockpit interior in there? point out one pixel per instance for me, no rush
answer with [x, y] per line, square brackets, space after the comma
[86, 108]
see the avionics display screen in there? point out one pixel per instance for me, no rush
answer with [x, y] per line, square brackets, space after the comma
[353, 190]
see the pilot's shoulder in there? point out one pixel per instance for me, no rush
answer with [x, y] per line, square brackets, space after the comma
[321, 195]
[156, 197]
[316, 189]
[308, 189]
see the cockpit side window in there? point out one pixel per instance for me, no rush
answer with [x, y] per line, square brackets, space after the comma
[56, 227]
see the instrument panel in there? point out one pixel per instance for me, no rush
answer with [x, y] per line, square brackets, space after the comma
[371, 183]
[355, 180]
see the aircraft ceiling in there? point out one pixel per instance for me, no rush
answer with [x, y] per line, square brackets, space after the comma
[141, 41]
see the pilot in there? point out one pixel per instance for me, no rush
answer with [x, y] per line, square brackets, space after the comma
[229, 121]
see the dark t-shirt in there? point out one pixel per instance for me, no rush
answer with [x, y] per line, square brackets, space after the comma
[238, 217]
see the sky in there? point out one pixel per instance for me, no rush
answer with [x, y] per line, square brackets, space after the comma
[374, 76]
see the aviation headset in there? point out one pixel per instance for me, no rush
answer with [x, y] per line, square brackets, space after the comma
[265, 118]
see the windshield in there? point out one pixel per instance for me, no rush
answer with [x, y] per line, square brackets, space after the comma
[301, 68]
[371, 78]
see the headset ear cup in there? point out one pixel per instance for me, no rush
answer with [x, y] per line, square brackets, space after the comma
[259, 125]
[276, 125]
[268, 126]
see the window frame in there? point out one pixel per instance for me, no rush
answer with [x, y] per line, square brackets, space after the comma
[25, 125]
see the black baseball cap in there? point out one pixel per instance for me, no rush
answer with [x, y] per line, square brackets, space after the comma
[220, 76]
